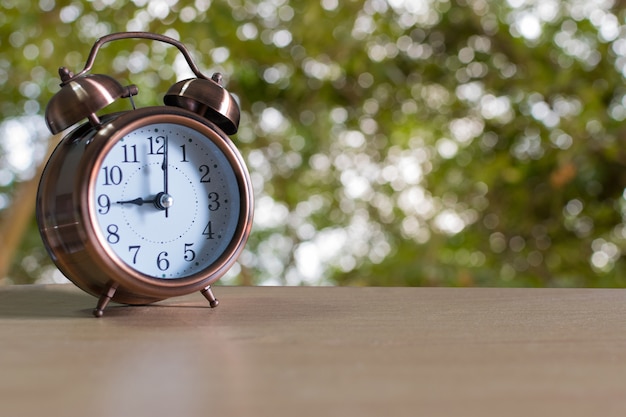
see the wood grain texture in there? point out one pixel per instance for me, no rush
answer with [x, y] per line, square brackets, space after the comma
[323, 351]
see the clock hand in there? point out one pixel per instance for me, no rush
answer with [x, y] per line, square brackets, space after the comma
[162, 201]
[164, 166]
[136, 201]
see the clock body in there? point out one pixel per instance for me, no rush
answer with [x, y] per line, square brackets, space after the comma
[151, 203]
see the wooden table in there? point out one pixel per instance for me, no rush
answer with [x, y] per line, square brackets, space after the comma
[323, 351]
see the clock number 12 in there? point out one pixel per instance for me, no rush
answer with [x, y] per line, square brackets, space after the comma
[156, 141]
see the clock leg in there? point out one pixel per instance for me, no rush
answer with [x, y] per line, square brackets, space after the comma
[104, 300]
[208, 294]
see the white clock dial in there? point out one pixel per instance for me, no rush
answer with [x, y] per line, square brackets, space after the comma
[166, 200]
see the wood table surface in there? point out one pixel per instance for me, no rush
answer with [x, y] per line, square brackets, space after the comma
[316, 351]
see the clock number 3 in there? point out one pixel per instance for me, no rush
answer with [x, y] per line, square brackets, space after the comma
[214, 201]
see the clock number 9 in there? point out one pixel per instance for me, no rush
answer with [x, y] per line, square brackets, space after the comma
[104, 202]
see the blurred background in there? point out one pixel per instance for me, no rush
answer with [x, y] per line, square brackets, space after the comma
[390, 142]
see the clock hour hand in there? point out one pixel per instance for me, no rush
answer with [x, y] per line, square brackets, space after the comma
[136, 201]
[162, 201]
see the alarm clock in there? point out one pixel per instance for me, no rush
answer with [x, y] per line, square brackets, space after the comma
[146, 204]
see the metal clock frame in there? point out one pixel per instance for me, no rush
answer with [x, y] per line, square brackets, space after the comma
[66, 212]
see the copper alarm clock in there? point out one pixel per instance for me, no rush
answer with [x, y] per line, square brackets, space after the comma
[142, 205]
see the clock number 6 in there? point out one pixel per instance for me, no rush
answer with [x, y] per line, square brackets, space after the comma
[162, 262]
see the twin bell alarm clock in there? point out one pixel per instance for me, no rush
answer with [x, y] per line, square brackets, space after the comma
[141, 205]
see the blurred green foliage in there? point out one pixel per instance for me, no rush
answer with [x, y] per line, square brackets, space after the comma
[390, 142]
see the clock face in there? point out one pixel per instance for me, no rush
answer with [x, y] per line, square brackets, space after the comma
[166, 201]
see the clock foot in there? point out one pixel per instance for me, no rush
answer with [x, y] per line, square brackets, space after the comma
[208, 294]
[104, 300]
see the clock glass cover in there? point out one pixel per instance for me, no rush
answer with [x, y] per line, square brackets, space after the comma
[166, 200]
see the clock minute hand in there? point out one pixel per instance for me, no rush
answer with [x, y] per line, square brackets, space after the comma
[164, 166]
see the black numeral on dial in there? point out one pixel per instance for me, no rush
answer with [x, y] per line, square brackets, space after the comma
[112, 175]
[104, 203]
[162, 262]
[113, 236]
[214, 201]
